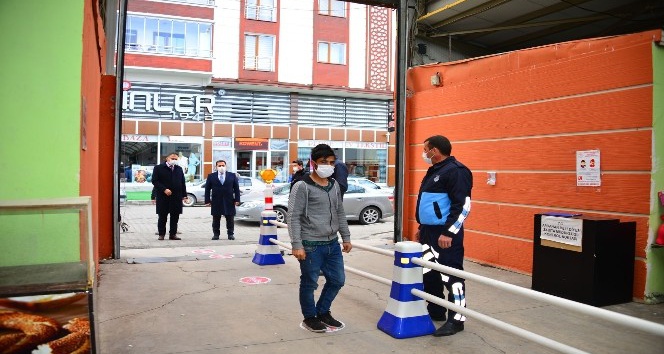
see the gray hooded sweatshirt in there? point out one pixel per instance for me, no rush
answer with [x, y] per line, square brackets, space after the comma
[315, 214]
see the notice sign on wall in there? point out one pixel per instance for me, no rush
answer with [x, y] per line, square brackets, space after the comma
[587, 169]
[563, 230]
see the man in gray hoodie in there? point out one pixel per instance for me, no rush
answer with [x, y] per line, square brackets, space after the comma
[316, 217]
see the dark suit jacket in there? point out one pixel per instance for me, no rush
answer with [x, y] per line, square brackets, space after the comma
[222, 197]
[163, 178]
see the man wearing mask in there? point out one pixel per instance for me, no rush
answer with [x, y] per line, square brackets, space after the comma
[443, 203]
[222, 192]
[316, 218]
[169, 191]
[298, 172]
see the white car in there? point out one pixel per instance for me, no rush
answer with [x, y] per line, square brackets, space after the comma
[196, 190]
[367, 206]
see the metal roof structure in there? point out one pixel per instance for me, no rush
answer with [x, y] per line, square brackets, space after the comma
[494, 26]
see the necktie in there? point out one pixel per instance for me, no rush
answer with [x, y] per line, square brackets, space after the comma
[221, 178]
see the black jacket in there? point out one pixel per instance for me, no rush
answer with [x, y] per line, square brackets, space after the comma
[164, 178]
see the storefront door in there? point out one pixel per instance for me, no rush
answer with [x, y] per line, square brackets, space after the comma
[250, 163]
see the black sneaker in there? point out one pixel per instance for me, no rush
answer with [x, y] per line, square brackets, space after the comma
[328, 320]
[448, 329]
[314, 324]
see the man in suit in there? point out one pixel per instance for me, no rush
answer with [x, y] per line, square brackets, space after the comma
[169, 190]
[222, 192]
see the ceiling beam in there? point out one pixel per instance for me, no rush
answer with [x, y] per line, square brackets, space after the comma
[560, 6]
[524, 25]
[470, 12]
[618, 12]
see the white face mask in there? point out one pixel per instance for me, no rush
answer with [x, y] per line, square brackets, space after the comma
[221, 169]
[173, 162]
[324, 171]
[295, 169]
[425, 157]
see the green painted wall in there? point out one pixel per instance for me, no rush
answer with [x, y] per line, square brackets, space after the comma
[40, 93]
[655, 255]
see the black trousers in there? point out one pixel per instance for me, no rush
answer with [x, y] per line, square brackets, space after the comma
[161, 224]
[435, 283]
[216, 224]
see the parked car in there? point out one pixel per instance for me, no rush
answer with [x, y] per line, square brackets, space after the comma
[369, 184]
[196, 190]
[364, 205]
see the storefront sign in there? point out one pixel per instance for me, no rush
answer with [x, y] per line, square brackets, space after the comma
[279, 144]
[365, 145]
[182, 139]
[587, 169]
[136, 138]
[179, 106]
[313, 143]
[563, 230]
[222, 143]
[251, 144]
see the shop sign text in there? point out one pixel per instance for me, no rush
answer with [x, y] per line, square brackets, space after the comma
[184, 107]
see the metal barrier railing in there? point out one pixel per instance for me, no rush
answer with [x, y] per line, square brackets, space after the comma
[624, 320]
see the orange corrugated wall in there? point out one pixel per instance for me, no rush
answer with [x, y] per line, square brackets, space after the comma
[524, 114]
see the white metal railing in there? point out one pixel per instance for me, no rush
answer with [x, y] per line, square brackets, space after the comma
[258, 63]
[624, 320]
[260, 12]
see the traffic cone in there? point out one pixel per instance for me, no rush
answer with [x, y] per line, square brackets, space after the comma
[406, 315]
[267, 253]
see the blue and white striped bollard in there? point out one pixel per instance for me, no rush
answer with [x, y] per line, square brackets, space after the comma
[267, 253]
[406, 315]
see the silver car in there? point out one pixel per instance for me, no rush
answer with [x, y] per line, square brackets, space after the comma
[196, 190]
[364, 205]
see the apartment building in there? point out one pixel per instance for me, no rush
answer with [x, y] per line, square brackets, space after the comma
[257, 83]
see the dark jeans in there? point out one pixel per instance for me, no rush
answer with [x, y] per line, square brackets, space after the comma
[328, 259]
[161, 224]
[216, 223]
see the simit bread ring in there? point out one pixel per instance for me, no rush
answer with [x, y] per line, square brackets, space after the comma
[33, 330]
[76, 342]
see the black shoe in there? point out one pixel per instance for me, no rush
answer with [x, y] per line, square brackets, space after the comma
[314, 324]
[328, 320]
[173, 237]
[231, 237]
[448, 329]
[161, 238]
[440, 318]
[215, 237]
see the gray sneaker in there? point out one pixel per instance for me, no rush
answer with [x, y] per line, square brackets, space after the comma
[314, 324]
[328, 320]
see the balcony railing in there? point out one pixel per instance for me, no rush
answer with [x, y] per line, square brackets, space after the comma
[258, 63]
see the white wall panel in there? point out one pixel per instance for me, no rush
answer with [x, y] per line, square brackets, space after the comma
[227, 14]
[357, 57]
[296, 33]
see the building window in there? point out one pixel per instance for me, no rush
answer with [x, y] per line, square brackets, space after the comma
[168, 36]
[335, 8]
[190, 2]
[258, 52]
[333, 53]
[262, 10]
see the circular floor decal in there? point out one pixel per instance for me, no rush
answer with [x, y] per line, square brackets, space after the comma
[203, 251]
[221, 256]
[329, 329]
[254, 280]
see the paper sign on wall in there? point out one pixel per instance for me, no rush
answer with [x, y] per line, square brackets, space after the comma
[587, 168]
[563, 230]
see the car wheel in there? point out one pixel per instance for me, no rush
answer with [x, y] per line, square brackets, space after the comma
[281, 214]
[369, 215]
[191, 200]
